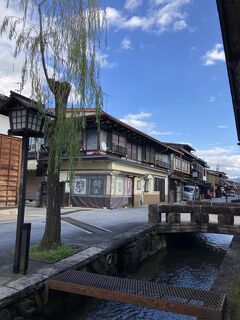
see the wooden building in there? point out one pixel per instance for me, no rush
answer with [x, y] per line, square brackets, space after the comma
[217, 179]
[10, 164]
[118, 166]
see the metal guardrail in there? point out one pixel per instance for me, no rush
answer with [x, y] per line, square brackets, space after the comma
[199, 303]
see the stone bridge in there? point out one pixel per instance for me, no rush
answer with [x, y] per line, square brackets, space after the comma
[195, 218]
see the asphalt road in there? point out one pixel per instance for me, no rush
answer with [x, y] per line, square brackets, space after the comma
[84, 228]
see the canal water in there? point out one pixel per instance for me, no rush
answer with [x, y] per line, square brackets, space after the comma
[189, 261]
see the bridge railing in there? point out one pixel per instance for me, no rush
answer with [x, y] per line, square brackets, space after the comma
[199, 214]
[214, 204]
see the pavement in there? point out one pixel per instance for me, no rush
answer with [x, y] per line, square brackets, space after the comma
[32, 212]
[81, 227]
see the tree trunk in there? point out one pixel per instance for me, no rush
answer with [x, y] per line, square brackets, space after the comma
[52, 234]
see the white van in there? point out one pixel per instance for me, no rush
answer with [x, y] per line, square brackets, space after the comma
[191, 193]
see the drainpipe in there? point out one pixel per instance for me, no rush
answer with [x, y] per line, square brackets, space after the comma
[110, 190]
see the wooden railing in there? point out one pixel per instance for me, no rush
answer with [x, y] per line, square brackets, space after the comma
[160, 163]
[119, 149]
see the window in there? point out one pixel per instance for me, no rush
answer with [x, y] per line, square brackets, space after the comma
[129, 150]
[103, 140]
[139, 151]
[32, 144]
[144, 153]
[161, 159]
[150, 154]
[132, 151]
[119, 143]
[178, 164]
[115, 138]
[91, 139]
[185, 166]
[35, 143]
[122, 140]
[146, 183]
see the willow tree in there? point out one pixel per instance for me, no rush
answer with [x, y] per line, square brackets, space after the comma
[60, 42]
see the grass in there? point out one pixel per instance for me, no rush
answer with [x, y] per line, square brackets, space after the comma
[51, 255]
[236, 302]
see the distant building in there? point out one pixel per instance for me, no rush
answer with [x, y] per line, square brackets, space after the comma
[218, 180]
[183, 166]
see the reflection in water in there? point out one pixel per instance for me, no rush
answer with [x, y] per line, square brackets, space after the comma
[189, 261]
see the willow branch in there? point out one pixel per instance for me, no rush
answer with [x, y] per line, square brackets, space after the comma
[55, 53]
[42, 47]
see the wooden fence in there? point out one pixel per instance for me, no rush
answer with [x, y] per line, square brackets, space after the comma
[10, 164]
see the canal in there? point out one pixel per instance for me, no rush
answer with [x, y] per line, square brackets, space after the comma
[189, 261]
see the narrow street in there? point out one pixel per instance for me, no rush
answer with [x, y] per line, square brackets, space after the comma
[85, 228]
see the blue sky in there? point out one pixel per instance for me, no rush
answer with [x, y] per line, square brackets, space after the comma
[164, 72]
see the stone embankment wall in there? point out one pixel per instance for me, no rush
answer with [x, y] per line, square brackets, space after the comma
[228, 279]
[23, 298]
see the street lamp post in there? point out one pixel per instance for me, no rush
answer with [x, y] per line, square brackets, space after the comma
[26, 120]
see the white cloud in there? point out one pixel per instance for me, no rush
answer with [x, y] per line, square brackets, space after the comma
[137, 22]
[179, 25]
[103, 61]
[114, 18]
[158, 2]
[10, 71]
[137, 120]
[126, 44]
[162, 16]
[214, 55]
[162, 133]
[132, 5]
[222, 126]
[142, 122]
[226, 158]
[212, 99]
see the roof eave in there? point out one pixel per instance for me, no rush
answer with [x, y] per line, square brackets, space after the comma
[226, 42]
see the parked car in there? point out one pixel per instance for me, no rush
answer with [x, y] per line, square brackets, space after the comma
[232, 193]
[191, 193]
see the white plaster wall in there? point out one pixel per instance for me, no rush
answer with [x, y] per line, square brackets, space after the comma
[4, 124]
